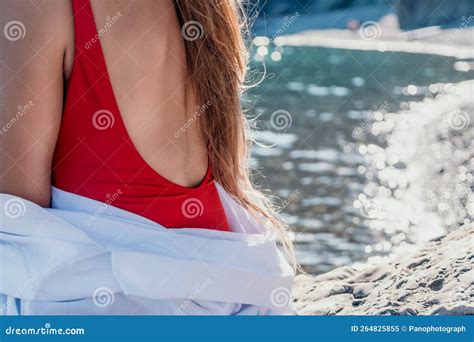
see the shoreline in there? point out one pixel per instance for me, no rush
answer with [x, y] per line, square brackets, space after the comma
[456, 43]
[378, 32]
[328, 40]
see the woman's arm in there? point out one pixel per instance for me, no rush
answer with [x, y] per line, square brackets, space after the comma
[32, 55]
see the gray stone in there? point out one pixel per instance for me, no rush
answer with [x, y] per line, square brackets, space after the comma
[362, 290]
[436, 280]
[467, 278]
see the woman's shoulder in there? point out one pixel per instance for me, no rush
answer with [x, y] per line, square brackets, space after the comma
[35, 42]
[36, 27]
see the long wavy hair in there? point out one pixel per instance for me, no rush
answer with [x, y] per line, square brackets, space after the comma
[215, 32]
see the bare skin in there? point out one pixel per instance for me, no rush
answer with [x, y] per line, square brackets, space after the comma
[146, 60]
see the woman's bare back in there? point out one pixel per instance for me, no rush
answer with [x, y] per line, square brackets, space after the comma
[146, 60]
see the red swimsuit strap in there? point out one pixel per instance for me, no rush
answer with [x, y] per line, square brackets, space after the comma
[87, 39]
[86, 30]
[90, 60]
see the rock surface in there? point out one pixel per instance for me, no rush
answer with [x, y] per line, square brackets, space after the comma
[411, 14]
[438, 279]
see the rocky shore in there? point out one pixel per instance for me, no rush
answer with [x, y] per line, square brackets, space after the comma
[438, 279]
[412, 14]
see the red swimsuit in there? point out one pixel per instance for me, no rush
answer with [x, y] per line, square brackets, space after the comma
[95, 157]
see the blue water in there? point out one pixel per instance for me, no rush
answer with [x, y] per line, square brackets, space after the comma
[313, 117]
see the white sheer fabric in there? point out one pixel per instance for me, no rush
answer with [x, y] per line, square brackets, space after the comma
[85, 257]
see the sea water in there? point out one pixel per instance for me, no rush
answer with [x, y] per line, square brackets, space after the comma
[369, 154]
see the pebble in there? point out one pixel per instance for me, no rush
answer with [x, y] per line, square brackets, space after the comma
[441, 287]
